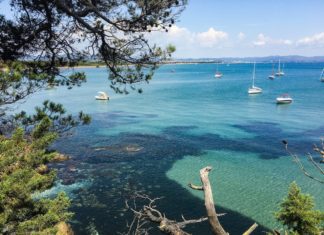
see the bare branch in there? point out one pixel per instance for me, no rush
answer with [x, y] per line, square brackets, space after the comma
[195, 187]
[251, 229]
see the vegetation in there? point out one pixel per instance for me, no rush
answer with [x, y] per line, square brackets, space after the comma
[298, 214]
[67, 32]
[23, 172]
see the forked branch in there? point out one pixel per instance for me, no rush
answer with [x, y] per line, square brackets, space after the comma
[216, 226]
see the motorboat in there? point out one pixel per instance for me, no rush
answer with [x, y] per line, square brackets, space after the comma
[284, 99]
[254, 89]
[102, 96]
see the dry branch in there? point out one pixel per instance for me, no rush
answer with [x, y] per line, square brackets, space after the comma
[311, 159]
[150, 213]
[216, 226]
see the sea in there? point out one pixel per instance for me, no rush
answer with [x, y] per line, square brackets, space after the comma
[156, 142]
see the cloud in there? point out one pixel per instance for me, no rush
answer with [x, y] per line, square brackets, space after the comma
[263, 40]
[211, 37]
[182, 37]
[314, 40]
[241, 36]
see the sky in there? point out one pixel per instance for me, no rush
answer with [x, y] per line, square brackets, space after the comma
[243, 28]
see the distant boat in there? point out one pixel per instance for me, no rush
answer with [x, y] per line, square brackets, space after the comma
[272, 76]
[280, 72]
[322, 76]
[284, 99]
[218, 74]
[254, 89]
[102, 96]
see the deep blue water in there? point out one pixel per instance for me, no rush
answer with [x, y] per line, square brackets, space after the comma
[157, 141]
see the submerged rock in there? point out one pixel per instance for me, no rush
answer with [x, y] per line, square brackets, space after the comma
[60, 157]
[128, 148]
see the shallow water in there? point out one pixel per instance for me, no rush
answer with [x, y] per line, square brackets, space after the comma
[157, 141]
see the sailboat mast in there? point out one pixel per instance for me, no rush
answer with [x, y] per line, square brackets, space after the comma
[279, 66]
[253, 75]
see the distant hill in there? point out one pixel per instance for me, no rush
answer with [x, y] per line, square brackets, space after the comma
[267, 59]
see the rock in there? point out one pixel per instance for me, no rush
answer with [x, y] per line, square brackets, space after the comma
[60, 157]
[64, 229]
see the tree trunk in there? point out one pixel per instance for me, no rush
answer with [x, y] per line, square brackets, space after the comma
[209, 203]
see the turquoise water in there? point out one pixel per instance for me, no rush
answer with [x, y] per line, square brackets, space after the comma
[157, 141]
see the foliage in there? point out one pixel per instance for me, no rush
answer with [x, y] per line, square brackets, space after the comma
[67, 32]
[51, 112]
[20, 79]
[23, 172]
[297, 213]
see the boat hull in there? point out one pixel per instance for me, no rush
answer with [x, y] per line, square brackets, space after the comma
[101, 98]
[280, 74]
[284, 101]
[255, 90]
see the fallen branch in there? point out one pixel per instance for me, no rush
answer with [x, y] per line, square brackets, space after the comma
[150, 213]
[251, 229]
[216, 226]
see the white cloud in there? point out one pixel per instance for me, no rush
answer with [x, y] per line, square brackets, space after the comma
[314, 40]
[211, 37]
[263, 40]
[241, 36]
[182, 37]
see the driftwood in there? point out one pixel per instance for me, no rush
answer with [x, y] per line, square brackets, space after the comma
[216, 226]
[150, 213]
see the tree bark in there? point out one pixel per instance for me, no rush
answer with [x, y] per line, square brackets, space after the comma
[216, 227]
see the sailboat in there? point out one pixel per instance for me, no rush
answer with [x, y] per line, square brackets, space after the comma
[218, 74]
[272, 76]
[322, 76]
[254, 89]
[280, 72]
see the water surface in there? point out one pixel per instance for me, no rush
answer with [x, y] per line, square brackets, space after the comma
[157, 141]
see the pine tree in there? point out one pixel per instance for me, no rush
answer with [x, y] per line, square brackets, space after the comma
[23, 172]
[298, 214]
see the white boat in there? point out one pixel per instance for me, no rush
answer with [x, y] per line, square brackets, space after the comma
[322, 76]
[280, 72]
[102, 96]
[284, 99]
[218, 74]
[254, 89]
